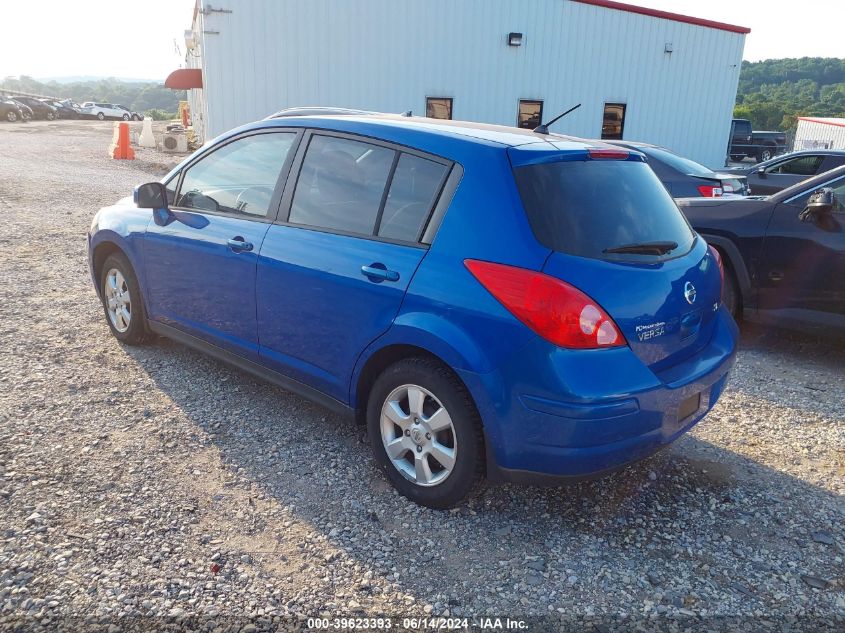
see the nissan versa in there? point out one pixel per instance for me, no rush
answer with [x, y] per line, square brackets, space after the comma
[491, 302]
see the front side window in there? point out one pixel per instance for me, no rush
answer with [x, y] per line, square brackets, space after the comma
[802, 166]
[413, 190]
[238, 178]
[613, 122]
[530, 114]
[438, 107]
[341, 185]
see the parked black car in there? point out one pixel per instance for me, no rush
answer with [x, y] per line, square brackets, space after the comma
[684, 178]
[62, 111]
[26, 112]
[784, 171]
[40, 110]
[10, 110]
[784, 255]
[761, 146]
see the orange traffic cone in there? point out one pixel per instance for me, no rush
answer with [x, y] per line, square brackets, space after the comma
[119, 147]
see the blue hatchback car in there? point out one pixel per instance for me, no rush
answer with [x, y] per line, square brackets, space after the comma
[489, 301]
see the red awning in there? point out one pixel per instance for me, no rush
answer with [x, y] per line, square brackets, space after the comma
[184, 79]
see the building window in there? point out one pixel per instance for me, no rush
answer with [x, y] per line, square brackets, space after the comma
[438, 107]
[613, 122]
[530, 114]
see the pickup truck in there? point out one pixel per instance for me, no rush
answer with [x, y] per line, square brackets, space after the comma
[761, 146]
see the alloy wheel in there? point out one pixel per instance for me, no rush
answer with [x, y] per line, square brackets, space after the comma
[118, 301]
[418, 435]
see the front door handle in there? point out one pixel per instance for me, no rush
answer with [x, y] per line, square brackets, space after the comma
[776, 275]
[239, 245]
[378, 273]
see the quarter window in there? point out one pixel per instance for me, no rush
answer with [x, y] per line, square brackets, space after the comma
[438, 107]
[238, 178]
[613, 121]
[530, 114]
[341, 185]
[413, 190]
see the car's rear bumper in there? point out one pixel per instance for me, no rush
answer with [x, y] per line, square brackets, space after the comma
[585, 413]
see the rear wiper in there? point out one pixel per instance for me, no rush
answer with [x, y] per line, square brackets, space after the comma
[646, 248]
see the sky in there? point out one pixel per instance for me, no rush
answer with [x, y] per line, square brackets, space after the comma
[135, 39]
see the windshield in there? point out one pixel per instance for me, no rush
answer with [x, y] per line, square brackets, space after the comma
[683, 165]
[603, 209]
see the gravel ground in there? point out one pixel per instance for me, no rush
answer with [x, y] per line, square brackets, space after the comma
[154, 485]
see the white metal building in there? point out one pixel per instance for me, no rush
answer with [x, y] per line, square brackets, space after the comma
[820, 133]
[640, 74]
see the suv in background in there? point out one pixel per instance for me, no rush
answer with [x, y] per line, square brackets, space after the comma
[761, 146]
[135, 116]
[489, 301]
[102, 111]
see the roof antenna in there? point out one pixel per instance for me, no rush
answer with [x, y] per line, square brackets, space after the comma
[543, 128]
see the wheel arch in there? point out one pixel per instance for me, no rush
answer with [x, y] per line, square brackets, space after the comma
[371, 365]
[730, 252]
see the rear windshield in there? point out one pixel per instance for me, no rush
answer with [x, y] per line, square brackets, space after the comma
[679, 163]
[588, 207]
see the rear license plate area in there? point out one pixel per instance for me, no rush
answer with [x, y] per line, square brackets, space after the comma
[689, 406]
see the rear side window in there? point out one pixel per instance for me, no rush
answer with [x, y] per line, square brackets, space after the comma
[413, 190]
[341, 185]
[588, 207]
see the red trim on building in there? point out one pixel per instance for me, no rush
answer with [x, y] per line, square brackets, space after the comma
[819, 121]
[184, 79]
[666, 15]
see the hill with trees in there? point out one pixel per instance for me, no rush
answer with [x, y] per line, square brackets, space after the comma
[138, 96]
[772, 93]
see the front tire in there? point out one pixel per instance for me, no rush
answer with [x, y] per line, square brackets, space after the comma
[11, 116]
[50, 116]
[122, 302]
[425, 432]
[737, 158]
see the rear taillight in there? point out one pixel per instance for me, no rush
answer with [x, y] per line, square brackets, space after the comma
[558, 312]
[709, 191]
[608, 154]
[718, 259]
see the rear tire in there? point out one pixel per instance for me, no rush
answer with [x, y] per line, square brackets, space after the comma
[122, 302]
[125, 117]
[420, 408]
[765, 154]
[730, 291]
[101, 116]
[737, 158]
[50, 116]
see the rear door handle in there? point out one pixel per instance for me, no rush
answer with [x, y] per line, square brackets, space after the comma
[776, 275]
[378, 273]
[239, 245]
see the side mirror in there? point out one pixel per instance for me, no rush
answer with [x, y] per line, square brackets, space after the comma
[761, 171]
[151, 195]
[819, 204]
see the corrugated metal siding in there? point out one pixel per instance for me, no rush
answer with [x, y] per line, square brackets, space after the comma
[389, 55]
[812, 135]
